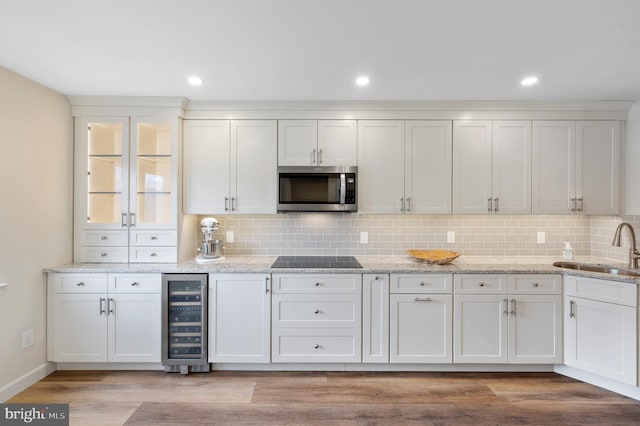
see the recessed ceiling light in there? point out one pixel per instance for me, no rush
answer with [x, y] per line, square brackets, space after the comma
[362, 81]
[195, 80]
[529, 81]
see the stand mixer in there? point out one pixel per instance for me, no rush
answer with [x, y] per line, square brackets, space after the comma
[209, 249]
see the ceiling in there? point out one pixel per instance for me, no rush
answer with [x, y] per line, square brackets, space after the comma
[305, 50]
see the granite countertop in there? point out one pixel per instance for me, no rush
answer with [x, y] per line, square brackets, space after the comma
[370, 265]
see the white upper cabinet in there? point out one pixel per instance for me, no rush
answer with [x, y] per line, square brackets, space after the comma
[126, 185]
[491, 167]
[404, 167]
[230, 166]
[317, 143]
[427, 167]
[576, 167]
[380, 166]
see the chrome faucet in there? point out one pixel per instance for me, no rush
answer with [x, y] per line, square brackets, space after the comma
[634, 254]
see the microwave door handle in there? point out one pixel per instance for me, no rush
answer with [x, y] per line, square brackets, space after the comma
[343, 188]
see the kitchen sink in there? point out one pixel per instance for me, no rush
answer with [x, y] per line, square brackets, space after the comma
[592, 267]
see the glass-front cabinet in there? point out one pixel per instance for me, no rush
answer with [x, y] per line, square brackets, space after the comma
[126, 189]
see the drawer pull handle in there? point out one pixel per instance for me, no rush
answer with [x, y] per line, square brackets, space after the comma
[423, 299]
[135, 284]
[153, 255]
[80, 284]
[421, 284]
[481, 284]
[377, 278]
[316, 311]
[104, 238]
[316, 346]
[103, 254]
[317, 284]
[535, 285]
[153, 238]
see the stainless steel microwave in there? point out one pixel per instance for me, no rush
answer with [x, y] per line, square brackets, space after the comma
[317, 189]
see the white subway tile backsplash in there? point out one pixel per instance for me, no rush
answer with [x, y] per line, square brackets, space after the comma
[476, 235]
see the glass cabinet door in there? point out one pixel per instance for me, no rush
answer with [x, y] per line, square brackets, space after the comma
[104, 148]
[153, 193]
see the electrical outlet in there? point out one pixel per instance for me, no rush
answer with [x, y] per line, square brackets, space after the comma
[451, 236]
[27, 338]
[230, 236]
[364, 237]
[540, 237]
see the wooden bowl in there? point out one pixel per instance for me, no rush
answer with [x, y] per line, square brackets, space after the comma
[440, 257]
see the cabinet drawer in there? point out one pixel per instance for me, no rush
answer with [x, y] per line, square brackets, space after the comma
[602, 290]
[480, 284]
[154, 254]
[135, 283]
[316, 311]
[432, 283]
[322, 283]
[154, 238]
[104, 254]
[303, 345]
[104, 238]
[535, 284]
[80, 283]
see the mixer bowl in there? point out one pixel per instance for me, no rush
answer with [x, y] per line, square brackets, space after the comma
[211, 249]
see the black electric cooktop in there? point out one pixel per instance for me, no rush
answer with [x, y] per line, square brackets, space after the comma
[316, 262]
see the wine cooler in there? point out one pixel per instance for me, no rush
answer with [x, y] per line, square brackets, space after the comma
[184, 323]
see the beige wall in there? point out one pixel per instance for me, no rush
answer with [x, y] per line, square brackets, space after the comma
[36, 144]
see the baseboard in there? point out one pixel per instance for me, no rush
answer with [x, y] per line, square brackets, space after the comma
[602, 382]
[21, 383]
[460, 368]
[61, 366]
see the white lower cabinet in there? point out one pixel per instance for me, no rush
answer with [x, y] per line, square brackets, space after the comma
[316, 318]
[375, 318]
[104, 317]
[504, 318]
[600, 333]
[420, 320]
[239, 318]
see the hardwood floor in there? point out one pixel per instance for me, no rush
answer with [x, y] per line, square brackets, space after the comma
[329, 398]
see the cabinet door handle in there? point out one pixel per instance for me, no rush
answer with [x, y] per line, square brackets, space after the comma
[313, 157]
[505, 303]
[402, 204]
[266, 285]
[124, 220]
[226, 204]
[233, 204]
[377, 278]
[581, 207]
[133, 219]
[111, 306]
[490, 204]
[423, 299]
[495, 204]
[572, 309]
[573, 203]
[102, 310]
[408, 204]
[513, 307]
[320, 156]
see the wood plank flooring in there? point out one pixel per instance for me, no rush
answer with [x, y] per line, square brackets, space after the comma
[137, 398]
